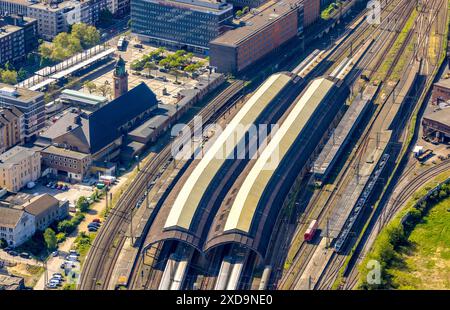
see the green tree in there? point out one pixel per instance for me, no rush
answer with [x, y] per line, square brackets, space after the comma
[66, 226]
[9, 77]
[83, 204]
[150, 66]
[9, 66]
[90, 86]
[88, 35]
[50, 239]
[3, 243]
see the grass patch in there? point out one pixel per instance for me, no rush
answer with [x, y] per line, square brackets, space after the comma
[328, 12]
[30, 273]
[427, 256]
[397, 240]
[83, 243]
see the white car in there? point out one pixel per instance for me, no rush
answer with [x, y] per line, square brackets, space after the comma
[51, 285]
[54, 282]
[57, 276]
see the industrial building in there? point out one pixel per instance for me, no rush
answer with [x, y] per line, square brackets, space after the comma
[259, 32]
[436, 125]
[185, 24]
[441, 90]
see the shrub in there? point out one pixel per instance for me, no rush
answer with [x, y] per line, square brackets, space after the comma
[60, 237]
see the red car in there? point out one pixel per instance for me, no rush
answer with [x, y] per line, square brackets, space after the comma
[96, 221]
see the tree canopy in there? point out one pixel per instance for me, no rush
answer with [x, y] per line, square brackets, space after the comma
[65, 44]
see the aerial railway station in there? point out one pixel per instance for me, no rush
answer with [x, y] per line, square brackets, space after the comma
[255, 205]
[184, 217]
[228, 208]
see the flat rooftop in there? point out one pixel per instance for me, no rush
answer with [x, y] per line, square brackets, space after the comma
[6, 30]
[440, 116]
[199, 5]
[256, 20]
[15, 155]
[18, 93]
[75, 95]
[64, 152]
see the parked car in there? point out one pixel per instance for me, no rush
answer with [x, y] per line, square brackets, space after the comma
[96, 224]
[74, 252]
[138, 45]
[92, 229]
[97, 220]
[25, 255]
[72, 258]
[13, 253]
[51, 285]
[55, 253]
[55, 282]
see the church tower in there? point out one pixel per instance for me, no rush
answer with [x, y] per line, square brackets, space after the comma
[120, 78]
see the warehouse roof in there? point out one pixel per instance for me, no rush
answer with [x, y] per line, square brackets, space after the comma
[40, 204]
[249, 195]
[440, 116]
[159, 116]
[193, 190]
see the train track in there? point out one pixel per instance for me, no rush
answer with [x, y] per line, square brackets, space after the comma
[100, 261]
[395, 204]
[305, 252]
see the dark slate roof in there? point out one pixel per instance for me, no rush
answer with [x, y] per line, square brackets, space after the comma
[104, 123]
[41, 204]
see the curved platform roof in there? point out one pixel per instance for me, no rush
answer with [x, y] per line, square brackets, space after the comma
[193, 190]
[247, 199]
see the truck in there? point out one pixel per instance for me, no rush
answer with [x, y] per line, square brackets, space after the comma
[107, 179]
[311, 231]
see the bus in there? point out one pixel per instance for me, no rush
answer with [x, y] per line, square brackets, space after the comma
[121, 44]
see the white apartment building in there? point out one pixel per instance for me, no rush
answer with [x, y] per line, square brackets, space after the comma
[16, 226]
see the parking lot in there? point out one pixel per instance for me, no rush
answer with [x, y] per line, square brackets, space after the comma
[163, 85]
[72, 194]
